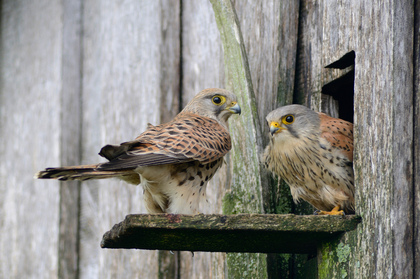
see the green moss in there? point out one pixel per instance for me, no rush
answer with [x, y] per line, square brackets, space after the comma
[335, 257]
[343, 252]
[229, 203]
[244, 265]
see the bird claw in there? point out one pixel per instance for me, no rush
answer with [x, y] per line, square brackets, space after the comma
[316, 212]
[335, 211]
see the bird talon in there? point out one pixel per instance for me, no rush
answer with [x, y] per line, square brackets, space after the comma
[335, 211]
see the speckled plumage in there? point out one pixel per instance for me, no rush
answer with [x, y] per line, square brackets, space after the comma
[314, 155]
[172, 161]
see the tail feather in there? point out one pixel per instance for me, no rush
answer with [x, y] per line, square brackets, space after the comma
[84, 172]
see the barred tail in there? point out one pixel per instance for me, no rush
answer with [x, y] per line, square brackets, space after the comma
[84, 172]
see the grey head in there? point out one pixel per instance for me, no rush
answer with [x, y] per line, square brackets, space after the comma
[293, 121]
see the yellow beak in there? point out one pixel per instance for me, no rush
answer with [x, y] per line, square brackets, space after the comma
[275, 128]
[234, 108]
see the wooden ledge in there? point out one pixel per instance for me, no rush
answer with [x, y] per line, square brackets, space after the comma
[262, 233]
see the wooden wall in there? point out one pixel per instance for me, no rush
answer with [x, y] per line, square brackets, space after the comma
[76, 75]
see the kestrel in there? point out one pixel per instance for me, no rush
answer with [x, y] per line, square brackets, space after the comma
[313, 153]
[173, 161]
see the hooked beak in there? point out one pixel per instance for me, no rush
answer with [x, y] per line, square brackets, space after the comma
[234, 108]
[275, 128]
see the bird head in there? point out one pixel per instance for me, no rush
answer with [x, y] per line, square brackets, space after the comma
[215, 103]
[292, 122]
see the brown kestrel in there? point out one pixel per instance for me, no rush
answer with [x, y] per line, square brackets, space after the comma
[313, 153]
[172, 161]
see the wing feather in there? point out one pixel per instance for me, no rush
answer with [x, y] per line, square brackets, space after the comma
[338, 132]
[188, 137]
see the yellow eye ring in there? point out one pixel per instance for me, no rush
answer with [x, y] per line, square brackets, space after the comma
[288, 119]
[218, 100]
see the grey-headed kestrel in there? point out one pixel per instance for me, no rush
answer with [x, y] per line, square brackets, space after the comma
[172, 161]
[313, 153]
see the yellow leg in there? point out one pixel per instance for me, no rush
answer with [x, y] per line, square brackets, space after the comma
[335, 211]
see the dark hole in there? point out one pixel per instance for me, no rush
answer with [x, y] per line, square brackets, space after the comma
[346, 61]
[342, 88]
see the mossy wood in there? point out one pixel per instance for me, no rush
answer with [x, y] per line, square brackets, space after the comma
[228, 233]
[246, 190]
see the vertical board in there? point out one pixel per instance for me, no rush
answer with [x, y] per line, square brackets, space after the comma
[70, 120]
[416, 100]
[383, 139]
[202, 67]
[382, 36]
[246, 184]
[265, 26]
[308, 62]
[30, 85]
[270, 30]
[123, 77]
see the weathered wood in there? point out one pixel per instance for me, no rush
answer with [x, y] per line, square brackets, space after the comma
[132, 72]
[203, 67]
[30, 84]
[70, 136]
[382, 246]
[416, 152]
[228, 233]
[270, 38]
[246, 194]
[130, 55]
[308, 64]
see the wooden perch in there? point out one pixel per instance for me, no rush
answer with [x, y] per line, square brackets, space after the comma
[268, 233]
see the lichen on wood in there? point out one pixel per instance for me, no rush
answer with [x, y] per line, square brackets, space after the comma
[252, 233]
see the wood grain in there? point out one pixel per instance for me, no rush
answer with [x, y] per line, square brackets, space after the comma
[203, 67]
[30, 86]
[229, 233]
[416, 152]
[383, 135]
[70, 144]
[119, 98]
[76, 76]
[246, 182]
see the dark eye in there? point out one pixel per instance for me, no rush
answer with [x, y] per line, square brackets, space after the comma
[288, 119]
[217, 100]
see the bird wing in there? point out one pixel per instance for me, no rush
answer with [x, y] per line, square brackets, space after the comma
[339, 133]
[188, 137]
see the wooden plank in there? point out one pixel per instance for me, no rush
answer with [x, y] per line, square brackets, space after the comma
[416, 99]
[270, 40]
[203, 67]
[308, 64]
[30, 84]
[264, 233]
[382, 246]
[70, 145]
[246, 194]
[402, 117]
[170, 104]
[270, 32]
[265, 24]
[383, 158]
[130, 56]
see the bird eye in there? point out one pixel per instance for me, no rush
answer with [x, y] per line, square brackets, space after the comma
[288, 119]
[218, 100]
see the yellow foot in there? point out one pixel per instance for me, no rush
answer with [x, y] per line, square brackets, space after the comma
[335, 211]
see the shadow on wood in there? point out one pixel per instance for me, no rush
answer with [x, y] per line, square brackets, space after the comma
[228, 233]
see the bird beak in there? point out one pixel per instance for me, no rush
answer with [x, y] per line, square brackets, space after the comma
[275, 128]
[234, 108]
